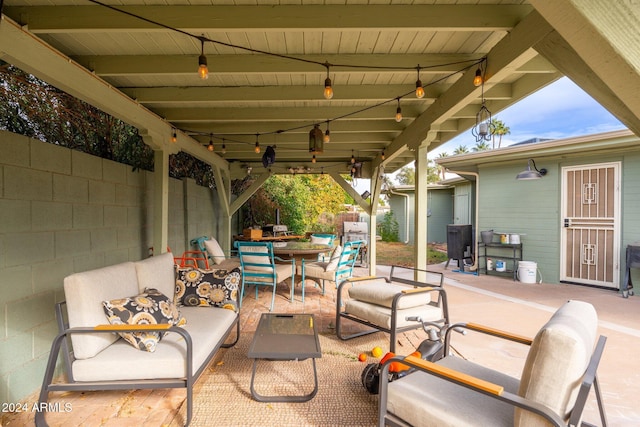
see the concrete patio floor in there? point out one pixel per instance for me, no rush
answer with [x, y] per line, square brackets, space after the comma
[494, 301]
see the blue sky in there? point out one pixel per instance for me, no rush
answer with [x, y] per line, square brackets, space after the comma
[559, 110]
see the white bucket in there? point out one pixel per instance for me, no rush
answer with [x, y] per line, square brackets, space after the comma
[527, 271]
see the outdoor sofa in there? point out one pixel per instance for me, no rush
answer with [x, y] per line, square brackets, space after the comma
[169, 352]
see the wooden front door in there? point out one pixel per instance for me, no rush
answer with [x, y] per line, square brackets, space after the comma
[590, 225]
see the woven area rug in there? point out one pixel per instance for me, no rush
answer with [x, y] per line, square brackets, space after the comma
[222, 397]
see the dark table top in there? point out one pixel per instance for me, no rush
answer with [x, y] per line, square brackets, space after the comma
[285, 337]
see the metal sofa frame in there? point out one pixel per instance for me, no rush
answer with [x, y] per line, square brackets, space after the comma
[62, 342]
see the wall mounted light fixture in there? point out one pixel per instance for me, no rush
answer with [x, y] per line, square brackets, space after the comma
[529, 173]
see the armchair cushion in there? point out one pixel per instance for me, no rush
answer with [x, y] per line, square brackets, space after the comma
[321, 240]
[557, 360]
[406, 398]
[382, 293]
[334, 260]
[381, 316]
[148, 308]
[209, 288]
[214, 250]
[256, 259]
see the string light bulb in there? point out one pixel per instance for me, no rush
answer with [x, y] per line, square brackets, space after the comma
[224, 147]
[313, 159]
[478, 80]
[257, 146]
[353, 158]
[210, 146]
[328, 90]
[203, 69]
[174, 136]
[382, 155]
[419, 87]
[327, 135]
[398, 112]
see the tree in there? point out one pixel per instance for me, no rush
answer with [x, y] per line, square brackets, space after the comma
[407, 176]
[389, 228]
[500, 129]
[462, 149]
[306, 203]
[31, 107]
[481, 146]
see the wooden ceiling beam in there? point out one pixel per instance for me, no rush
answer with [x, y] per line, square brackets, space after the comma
[132, 65]
[196, 19]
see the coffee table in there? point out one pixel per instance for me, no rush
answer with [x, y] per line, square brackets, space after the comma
[285, 337]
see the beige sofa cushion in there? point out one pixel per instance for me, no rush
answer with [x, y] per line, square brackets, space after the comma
[120, 361]
[557, 360]
[157, 272]
[84, 294]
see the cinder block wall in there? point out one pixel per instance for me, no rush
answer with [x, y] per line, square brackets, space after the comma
[63, 211]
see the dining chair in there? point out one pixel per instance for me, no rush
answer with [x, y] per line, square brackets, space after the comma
[258, 266]
[339, 267]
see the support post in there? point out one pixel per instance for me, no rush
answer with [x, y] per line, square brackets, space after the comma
[421, 210]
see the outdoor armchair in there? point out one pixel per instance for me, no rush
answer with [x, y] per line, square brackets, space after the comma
[557, 377]
[384, 303]
[258, 266]
[339, 267]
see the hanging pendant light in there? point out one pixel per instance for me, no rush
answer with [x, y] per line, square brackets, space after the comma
[327, 135]
[398, 112]
[419, 87]
[316, 140]
[478, 80]
[484, 129]
[203, 69]
[174, 136]
[257, 146]
[210, 146]
[328, 90]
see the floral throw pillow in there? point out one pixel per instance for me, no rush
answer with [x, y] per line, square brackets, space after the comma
[216, 288]
[149, 308]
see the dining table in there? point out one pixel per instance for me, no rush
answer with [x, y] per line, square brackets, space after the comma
[300, 250]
